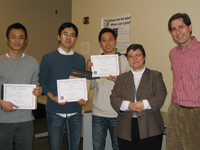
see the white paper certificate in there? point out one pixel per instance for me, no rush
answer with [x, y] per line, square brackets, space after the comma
[105, 65]
[20, 95]
[72, 90]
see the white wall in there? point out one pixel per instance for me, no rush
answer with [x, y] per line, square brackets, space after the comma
[40, 21]
[148, 27]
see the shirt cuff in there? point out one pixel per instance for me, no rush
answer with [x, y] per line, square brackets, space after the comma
[146, 104]
[124, 106]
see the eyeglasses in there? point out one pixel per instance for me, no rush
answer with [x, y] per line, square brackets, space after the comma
[21, 38]
[136, 55]
[66, 35]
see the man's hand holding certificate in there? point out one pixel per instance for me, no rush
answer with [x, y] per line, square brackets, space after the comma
[20, 95]
[72, 90]
[105, 65]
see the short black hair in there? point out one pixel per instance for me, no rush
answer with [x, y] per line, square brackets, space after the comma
[16, 26]
[107, 30]
[134, 47]
[68, 25]
[184, 16]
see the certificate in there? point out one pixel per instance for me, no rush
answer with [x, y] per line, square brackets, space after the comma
[72, 90]
[20, 95]
[105, 65]
[79, 73]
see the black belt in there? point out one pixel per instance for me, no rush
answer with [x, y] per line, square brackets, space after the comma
[185, 107]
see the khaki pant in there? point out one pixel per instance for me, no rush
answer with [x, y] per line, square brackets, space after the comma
[183, 128]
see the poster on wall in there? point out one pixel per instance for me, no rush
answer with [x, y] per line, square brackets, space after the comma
[121, 24]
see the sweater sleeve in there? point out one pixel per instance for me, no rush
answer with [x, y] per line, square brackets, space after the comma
[83, 64]
[44, 75]
[35, 78]
[115, 98]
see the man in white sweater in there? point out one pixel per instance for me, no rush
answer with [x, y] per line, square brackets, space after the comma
[103, 115]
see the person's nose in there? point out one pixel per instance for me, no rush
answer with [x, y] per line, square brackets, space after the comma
[107, 42]
[178, 31]
[134, 57]
[68, 37]
[17, 39]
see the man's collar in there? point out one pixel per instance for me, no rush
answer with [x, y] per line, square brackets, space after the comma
[61, 51]
[20, 58]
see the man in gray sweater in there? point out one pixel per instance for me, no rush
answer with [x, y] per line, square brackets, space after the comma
[17, 68]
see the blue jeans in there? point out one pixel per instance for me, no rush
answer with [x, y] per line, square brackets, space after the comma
[100, 125]
[23, 133]
[56, 127]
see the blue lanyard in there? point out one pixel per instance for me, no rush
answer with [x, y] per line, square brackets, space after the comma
[134, 88]
[135, 112]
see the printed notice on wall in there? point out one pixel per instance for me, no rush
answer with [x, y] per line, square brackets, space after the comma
[121, 25]
[85, 47]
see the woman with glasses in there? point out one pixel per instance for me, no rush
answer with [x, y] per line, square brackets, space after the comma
[137, 97]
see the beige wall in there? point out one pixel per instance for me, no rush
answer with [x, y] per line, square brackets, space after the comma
[148, 27]
[40, 21]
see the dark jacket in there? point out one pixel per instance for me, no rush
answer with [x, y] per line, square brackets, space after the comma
[153, 89]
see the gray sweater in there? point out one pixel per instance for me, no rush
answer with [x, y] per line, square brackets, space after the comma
[17, 71]
[101, 100]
